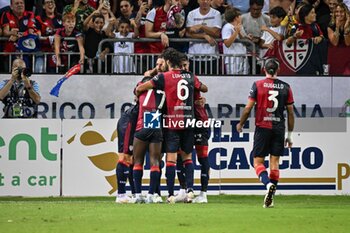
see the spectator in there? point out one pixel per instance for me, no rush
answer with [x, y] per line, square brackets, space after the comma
[232, 30]
[332, 4]
[218, 5]
[253, 22]
[20, 95]
[16, 23]
[110, 21]
[81, 9]
[307, 28]
[291, 19]
[47, 23]
[275, 32]
[126, 10]
[176, 27]
[93, 26]
[156, 20]
[323, 16]
[339, 31]
[241, 5]
[64, 43]
[204, 23]
[123, 61]
[142, 47]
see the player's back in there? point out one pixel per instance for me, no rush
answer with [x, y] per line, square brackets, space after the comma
[178, 86]
[149, 101]
[271, 96]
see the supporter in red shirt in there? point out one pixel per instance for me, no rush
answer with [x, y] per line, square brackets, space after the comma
[47, 23]
[307, 28]
[156, 26]
[64, 45]
[16, 23]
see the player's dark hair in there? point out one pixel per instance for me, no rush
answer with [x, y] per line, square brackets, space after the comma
[278, 11]
[271, 65]
[173, 56]
[183, 57]
[146, 78]
[304, 11]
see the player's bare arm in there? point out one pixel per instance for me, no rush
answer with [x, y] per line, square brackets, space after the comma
[203, 88]
[143, 87]
[290, 112]
[245, 115]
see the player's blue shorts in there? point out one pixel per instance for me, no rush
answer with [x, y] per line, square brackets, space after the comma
[268, 142]
[176, 139]
[149, 135]
[126, 129]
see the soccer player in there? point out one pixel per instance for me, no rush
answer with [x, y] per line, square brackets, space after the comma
[148, 138]
[271, 96]
[201, 137]
[126, 128]
[178, 86]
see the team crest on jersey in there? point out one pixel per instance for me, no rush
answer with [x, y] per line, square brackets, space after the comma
[296, 55]
[151, 120]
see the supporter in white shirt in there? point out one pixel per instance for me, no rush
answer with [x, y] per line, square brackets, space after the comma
[123, 59]
[274, 32]
[204, 23]
[230, 32]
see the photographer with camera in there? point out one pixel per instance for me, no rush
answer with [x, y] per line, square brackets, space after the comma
[20, 95]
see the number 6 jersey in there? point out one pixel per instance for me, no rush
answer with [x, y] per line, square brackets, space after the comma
[178, 86]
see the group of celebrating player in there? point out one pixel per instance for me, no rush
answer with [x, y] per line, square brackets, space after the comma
[171, 96]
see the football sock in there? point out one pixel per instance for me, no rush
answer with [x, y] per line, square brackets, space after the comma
[170, 176]
[204, 162]
[274, 176]
[158, 189]
[122, 172]
[189, 172]
[262, 174]
[138, 172]
[154, 179]
[180, 171]
[131, 178]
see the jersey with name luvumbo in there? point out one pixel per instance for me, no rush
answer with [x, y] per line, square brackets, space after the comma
[179, 86]
[271, 97]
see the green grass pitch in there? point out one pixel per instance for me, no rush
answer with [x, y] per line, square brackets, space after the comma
[223, 214]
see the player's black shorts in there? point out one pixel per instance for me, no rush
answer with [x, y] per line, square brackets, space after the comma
[179, 139]
[268, 142]
[149, 135]
[126, 129]
[201, 136]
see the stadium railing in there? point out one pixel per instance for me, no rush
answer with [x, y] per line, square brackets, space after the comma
[148, 60]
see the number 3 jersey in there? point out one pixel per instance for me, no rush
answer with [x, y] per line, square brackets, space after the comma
[179, 87]
[271, 97]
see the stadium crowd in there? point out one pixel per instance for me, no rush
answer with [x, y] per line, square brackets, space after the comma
[232, 32]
